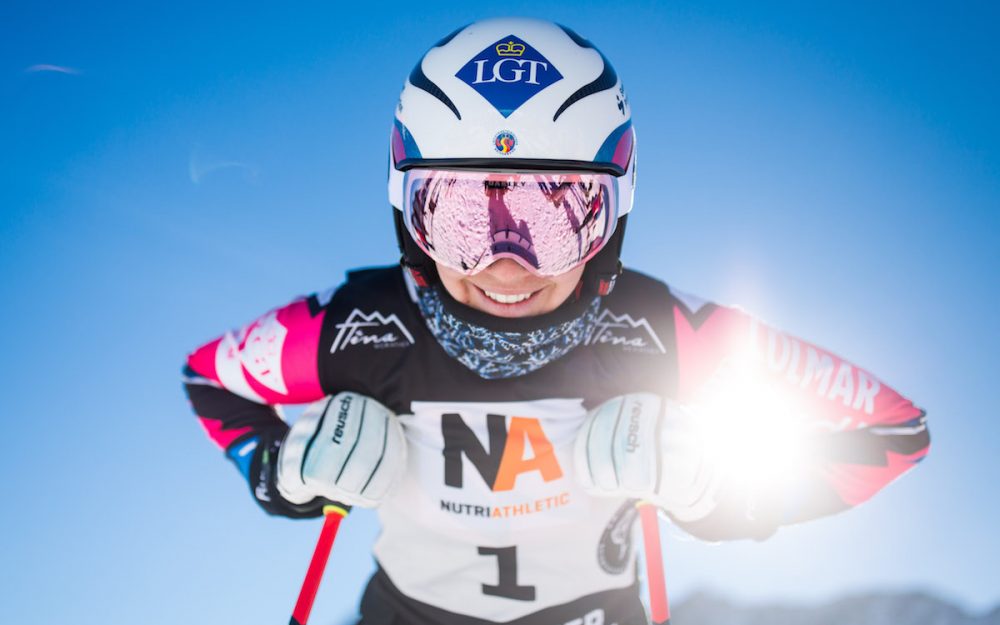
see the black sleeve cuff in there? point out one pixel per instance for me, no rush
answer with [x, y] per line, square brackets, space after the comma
[263, 485]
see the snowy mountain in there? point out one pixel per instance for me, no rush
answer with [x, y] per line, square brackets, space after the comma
[912, 608]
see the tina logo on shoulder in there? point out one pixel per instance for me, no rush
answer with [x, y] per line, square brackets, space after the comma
[372, 329]
[623, 331]
[508, 73]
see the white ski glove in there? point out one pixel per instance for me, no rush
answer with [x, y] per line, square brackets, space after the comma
[639, 446]
[348, 448]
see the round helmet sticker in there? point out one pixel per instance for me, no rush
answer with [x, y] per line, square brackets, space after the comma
[505, 142]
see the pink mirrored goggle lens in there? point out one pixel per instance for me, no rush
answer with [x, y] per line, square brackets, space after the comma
[548, 222]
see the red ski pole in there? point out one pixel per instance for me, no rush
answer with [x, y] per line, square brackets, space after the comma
[333, 514]
[658, 606]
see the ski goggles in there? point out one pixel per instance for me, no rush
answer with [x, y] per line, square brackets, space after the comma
[549, 222]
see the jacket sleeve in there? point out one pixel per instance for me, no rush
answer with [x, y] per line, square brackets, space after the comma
[237, 382]
[796, 431]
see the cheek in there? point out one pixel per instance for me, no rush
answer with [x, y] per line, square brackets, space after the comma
[564, 287]
[455, 284]
[566, 283]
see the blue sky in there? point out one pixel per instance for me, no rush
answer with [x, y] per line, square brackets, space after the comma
[173, 170]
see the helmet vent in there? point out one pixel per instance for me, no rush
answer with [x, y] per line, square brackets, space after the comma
[420, 80]
[607, 80]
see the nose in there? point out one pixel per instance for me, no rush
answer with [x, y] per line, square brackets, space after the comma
[507, 270]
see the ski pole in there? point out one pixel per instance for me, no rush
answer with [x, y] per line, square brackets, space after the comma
[658, 606]
[334, 514]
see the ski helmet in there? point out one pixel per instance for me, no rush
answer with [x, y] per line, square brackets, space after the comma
[512, 138]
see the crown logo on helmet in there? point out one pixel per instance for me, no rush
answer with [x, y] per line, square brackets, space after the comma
[510, 49]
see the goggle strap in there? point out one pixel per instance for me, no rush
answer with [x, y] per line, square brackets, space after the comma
[605, 267]
[416, 272]
[606, 285]
[413, 259]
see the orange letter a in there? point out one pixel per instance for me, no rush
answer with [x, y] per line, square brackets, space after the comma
[514, 463]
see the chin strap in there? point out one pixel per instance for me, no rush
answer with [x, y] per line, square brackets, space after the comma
[599, 277]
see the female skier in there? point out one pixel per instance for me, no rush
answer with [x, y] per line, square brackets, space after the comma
[507, 394]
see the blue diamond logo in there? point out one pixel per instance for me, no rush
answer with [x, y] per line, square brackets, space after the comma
[508, 73]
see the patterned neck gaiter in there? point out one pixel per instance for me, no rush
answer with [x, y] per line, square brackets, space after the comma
[495, 354]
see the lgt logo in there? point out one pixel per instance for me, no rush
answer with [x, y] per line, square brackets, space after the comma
[508, 73]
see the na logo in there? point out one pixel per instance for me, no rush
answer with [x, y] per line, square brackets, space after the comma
[507, 456]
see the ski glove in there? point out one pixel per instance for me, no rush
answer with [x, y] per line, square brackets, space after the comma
[640, 446]
[348, 448]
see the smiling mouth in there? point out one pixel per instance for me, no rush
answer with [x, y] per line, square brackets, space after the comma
[502, 298]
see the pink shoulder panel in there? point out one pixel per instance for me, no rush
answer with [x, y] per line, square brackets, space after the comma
[822, 385]
[274, 360]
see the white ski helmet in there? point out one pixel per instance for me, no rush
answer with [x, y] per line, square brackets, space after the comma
[515, 95]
